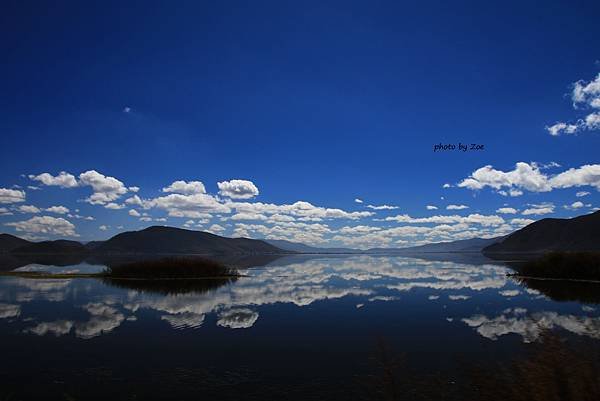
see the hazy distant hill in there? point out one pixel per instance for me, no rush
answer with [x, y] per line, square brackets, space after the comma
[468, 245]
[302, 248]
[465, 245]
[159, 239]
[61, 246]
[580, 233]
[9, 242]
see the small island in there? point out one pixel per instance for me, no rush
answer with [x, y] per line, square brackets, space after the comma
[169, 268]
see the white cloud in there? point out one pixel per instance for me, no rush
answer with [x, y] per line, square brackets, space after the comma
[63, 179]
[106, 189]
[28, 209]
[575, 177]
[238, 189]
[446, 185]
[512, 192]
[186, 188]
[45, 225]
[521, 222]
[581, 194]
[506, 210]
[586, 95]
[456, 207]
[484, 220]
[248, 216]
[103, 228]
[216, 229]
[11, 195]
[358, 200]
[189, 206]
[5, 212]
[544, 208]
[524, 176]
[57, 209]
[114, 206]
[300, 209]
[134, 200]
[575, 205]
[530, 177]
[562, 128]
[134, 213]
[382, 207]
[431, 207]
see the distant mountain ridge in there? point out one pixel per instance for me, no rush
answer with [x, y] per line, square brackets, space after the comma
[61, 246]
[580, 233]
[302, 248]
[576, 234]
[158, 239]
[9, 242]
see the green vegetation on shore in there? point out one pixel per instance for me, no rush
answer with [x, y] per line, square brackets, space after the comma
[563, 265]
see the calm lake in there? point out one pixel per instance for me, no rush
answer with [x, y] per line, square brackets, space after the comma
[297, 327]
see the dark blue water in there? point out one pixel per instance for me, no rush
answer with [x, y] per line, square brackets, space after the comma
[296, 328]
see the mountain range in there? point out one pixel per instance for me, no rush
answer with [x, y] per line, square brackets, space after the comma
[576, 234]
[580, 233]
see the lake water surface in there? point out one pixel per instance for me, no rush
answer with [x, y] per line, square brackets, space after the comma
[297, 327]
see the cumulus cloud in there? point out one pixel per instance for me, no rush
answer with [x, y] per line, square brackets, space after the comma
[186, 188]
[521, 222]
[431, 207]
[45, 225]
[28, 209]
[216, 229]
[189, 206]
[114, 206]
[134, 213]
[237, 189]
[506, 210]
[485, 220]
[530, 177]
[248, 216]
[301, 210]
[581, 194]
[63, 179]
[358, 200]
[5, 212]
[456, 207]
[103, 228]
[11, 195]
[575, 205]
[584, 95]
[106, 189]
[58, 209]
[544, 208]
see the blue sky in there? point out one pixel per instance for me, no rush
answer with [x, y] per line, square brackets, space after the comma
[320, 103]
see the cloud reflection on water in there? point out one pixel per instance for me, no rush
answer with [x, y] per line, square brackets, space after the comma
[300, 283]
